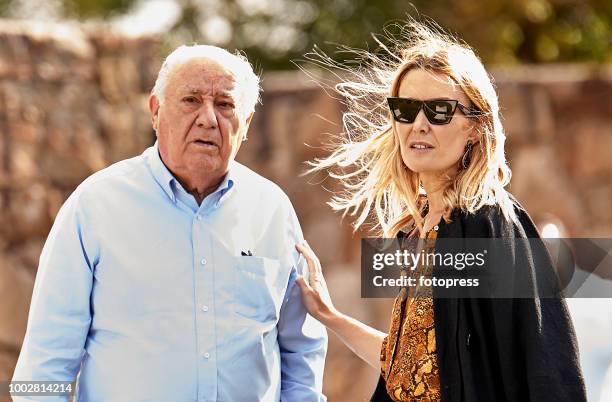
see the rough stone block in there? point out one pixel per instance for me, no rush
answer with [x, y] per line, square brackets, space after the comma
[16, 286]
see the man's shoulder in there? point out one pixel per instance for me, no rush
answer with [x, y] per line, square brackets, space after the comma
[115, 174]
[255, 183]
[104, 185]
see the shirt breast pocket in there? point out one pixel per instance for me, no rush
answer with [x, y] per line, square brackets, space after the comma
[258, 288]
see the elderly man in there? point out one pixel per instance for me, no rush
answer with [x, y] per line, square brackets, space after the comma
[171, 276]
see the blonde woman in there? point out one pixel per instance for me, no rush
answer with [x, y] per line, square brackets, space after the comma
[424, 155]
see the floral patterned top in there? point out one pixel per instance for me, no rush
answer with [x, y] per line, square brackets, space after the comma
[408, 356]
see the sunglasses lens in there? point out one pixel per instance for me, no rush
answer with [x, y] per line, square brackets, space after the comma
[404, 110]
[440, 111]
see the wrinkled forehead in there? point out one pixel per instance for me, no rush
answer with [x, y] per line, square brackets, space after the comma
[423, 84]
[204, 76]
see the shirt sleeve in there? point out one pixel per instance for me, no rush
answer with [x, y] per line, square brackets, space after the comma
[302, 339]
[59, 316]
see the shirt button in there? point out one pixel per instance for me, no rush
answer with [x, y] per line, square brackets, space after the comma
[199, 217]
[203, 261]
[206, 355]
[204, 308]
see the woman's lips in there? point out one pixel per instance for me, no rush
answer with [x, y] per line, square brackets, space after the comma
[421, 148]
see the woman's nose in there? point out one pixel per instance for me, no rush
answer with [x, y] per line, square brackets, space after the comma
[420, 122]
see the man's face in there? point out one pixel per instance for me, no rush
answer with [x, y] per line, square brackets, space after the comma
[199, 125]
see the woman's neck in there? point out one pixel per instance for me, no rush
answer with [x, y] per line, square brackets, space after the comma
[434, 188]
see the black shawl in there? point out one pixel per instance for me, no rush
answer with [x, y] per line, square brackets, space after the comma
[497, 350]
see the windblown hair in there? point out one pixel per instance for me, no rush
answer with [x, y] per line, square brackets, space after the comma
[367, 160]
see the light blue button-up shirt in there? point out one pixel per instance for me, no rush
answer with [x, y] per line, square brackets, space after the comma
[149, 294]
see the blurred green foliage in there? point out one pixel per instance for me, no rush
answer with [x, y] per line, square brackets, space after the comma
[274, 32]
[502, 31]
[96, 8]
[4, 5]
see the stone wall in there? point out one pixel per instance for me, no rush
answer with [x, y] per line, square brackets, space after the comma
[73, 101]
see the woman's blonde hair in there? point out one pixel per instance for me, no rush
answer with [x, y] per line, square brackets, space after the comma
[368, 161]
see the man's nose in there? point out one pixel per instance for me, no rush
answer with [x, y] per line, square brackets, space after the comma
[206, 116]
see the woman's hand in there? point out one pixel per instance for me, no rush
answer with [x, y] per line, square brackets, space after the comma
[365, 341]
[315, 294]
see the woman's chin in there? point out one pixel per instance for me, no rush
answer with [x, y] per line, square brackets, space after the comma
[425, 168]
[421, 166]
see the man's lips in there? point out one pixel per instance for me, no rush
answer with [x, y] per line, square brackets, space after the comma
[205, 143]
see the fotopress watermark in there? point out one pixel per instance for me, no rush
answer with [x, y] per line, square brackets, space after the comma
[489, 268]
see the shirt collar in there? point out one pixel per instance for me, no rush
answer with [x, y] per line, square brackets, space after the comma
[226, 186]
[160, 172]
[164, 177]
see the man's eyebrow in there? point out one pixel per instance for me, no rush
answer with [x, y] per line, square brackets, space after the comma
[196, 91]
[227, 94]
[190, 90]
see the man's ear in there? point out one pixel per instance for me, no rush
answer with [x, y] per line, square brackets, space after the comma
[248, 119]
[154, 110]
[246, 125]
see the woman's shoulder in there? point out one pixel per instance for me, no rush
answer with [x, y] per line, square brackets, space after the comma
[495, 220]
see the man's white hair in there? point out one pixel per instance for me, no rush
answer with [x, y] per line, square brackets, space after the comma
[247, 81]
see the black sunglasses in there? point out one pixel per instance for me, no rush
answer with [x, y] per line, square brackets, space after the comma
[437, 111]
